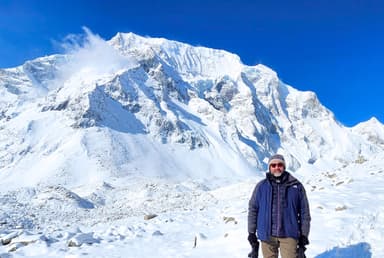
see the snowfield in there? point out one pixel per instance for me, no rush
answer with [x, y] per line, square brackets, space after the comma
[140, 217]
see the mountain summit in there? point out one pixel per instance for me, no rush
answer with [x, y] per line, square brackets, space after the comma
[121, 107]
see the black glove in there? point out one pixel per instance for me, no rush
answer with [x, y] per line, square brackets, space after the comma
[252, 239]
[254, 253]
[301, 252]
[303, 241]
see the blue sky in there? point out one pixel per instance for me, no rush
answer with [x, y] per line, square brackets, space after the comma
[332, 47]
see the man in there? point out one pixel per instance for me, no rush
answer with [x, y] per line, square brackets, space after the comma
[278, 213]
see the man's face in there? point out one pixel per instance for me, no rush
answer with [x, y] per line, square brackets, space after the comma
[276, 168]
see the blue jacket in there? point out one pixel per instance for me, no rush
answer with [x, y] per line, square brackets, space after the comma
[293, 209]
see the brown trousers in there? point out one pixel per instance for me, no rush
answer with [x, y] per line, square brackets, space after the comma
[287, 247]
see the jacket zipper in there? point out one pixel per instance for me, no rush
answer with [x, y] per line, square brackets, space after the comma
[278, 209]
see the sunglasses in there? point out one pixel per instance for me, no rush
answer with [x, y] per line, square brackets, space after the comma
[280, 165]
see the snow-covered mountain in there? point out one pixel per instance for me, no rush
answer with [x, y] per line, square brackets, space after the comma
[87, 126]
[154, 96]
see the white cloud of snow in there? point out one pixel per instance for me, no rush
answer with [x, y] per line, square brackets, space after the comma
[91, 56]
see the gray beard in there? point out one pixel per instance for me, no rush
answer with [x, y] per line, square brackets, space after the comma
[277, 174]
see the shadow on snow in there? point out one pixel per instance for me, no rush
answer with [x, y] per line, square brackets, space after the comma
[360, 250]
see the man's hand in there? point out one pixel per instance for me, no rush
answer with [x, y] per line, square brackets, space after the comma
[303, 241]
[254, 253]
[252, 239]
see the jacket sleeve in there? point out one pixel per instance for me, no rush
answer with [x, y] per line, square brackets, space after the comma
[253, 210]
[305, 216]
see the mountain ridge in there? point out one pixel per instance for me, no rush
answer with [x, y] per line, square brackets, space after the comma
[193, 99]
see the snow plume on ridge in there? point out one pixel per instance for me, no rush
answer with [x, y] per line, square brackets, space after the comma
[91, 56]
